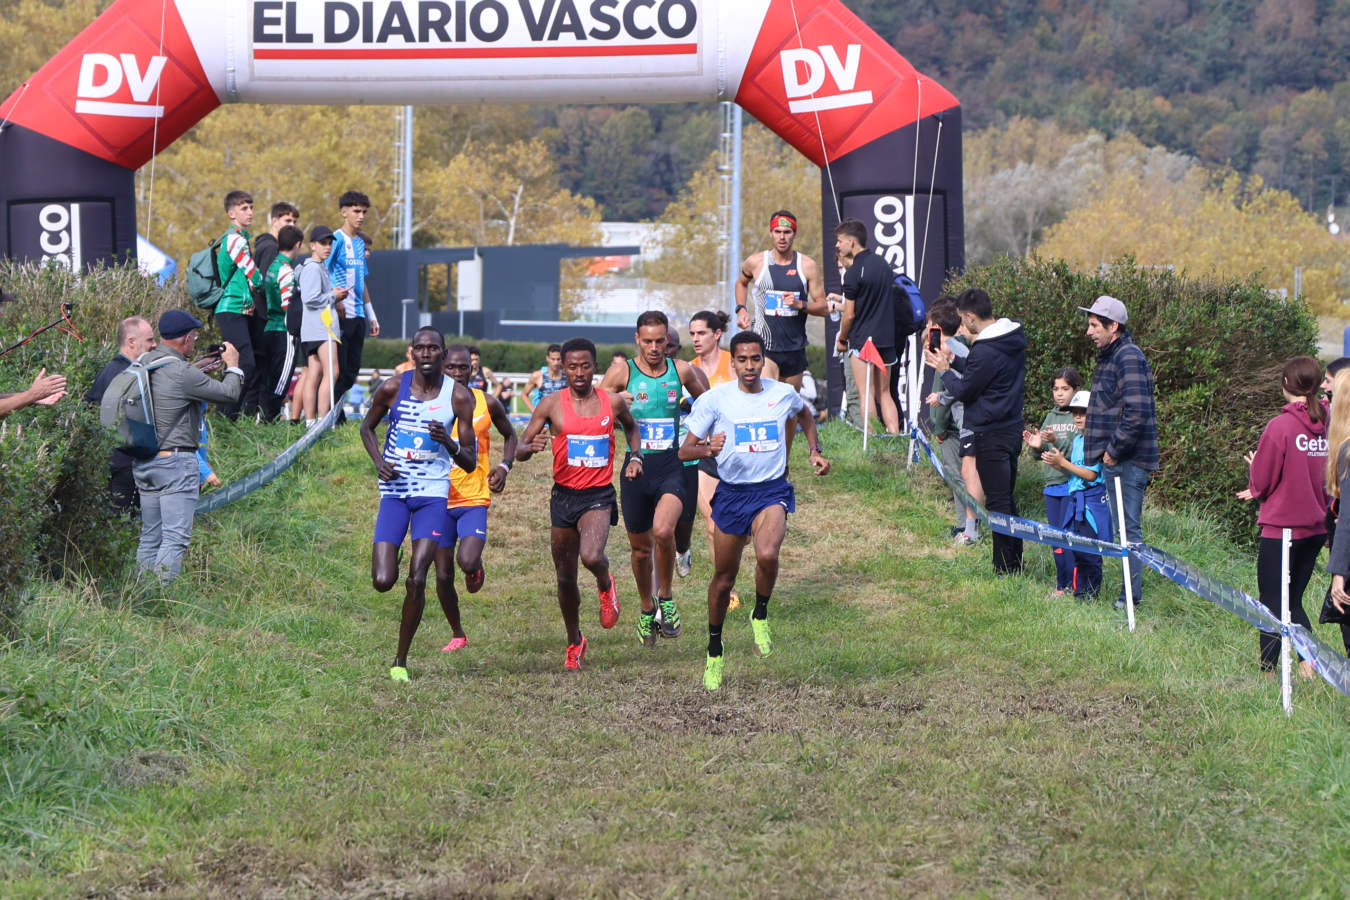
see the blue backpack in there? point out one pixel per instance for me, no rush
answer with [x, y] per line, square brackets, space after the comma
[910, 310]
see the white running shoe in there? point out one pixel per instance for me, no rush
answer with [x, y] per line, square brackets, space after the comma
[683, 566]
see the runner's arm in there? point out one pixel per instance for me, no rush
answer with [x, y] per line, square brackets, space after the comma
[807, 420]
[533, 440]
[742, 290]
[623, 416]
[380, 402]
[466, 456]
[536, 380]
[497, 477]
[616, 378]
[816, 304]
[692, 377]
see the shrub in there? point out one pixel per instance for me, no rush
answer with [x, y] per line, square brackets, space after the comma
[1215, 346]
[54, 518]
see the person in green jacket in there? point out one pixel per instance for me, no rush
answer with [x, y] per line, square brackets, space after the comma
[239, 277]
[1057, 431]
[278, 349]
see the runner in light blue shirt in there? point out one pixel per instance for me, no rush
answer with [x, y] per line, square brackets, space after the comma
[744, 424]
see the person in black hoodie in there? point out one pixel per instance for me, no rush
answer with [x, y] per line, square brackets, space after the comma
[991, 385]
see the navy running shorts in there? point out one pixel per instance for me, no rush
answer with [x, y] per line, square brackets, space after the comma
[735, 506]
[464, 522]
[426, 515]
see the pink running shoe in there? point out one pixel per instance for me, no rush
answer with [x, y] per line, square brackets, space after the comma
[609, 605]
[474, 580]
[575, 653]
[455, 644]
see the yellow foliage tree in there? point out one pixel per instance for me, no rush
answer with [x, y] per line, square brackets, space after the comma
[33, 31]
[1206, 224]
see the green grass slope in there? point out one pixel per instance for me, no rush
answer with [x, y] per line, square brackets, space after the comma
[922, 729]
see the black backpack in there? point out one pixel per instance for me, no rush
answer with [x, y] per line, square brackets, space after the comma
[295, 311]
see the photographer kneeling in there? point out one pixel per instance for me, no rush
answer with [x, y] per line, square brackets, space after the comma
[168, 481]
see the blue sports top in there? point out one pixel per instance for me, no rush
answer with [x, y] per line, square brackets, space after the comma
[347, 268]
[423, 465]
[755, 425]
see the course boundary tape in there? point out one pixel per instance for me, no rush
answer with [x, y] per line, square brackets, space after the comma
[262, 476]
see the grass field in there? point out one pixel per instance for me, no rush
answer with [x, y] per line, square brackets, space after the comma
[922, 729]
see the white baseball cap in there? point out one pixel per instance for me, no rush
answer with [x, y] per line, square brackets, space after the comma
[1107, 307]
[1080, 400]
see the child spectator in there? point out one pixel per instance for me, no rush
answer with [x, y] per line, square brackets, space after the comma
[319, 335]
[1288, 475]
[947, 418]
[1057, 430]
[1086, 511]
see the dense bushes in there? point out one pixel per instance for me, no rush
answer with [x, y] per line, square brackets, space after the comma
[54, 518]
[1216, 348]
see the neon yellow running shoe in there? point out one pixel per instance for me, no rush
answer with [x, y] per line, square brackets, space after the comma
[712, 673]
[646, 628]
[670, 618]
[763, 642]
[399, 673]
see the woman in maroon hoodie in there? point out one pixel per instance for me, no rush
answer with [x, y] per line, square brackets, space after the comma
[1288, 472]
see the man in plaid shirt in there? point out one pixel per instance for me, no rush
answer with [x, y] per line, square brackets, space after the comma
[1121, 429]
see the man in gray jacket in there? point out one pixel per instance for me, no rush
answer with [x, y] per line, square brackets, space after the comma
[168, 481]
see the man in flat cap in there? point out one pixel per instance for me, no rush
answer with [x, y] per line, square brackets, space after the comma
[1121, 428]
[168, 481]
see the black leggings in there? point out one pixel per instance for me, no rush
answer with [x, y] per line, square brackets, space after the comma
[1302, 560]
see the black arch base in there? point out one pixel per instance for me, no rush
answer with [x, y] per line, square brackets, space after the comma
[63, 205]
[877, 184]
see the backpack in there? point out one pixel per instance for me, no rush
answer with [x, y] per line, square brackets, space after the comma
[910, 310]
[295, 312]
[203, 276]
[128, 408]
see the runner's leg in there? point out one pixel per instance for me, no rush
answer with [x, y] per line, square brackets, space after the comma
[415, 600]
[445, 588]
[565, 544]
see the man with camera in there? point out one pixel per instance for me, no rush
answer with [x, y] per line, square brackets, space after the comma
[168, 481]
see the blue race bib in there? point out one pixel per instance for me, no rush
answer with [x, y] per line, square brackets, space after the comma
[656, 434]
[776, 303]
[756, 436]
[415, 444]
[588, 451]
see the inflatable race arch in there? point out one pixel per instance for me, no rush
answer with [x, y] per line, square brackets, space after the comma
[888, 139]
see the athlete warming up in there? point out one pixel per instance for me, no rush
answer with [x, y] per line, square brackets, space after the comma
[744, 425]
[654, 501]
[424, 407]
[582, 507]
[470, 496]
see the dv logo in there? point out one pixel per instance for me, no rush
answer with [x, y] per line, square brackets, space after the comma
[101, 76]
[799, 82]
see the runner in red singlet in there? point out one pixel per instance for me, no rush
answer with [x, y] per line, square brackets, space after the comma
[583, 506]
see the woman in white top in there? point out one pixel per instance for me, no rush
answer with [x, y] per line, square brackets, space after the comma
[319, 329]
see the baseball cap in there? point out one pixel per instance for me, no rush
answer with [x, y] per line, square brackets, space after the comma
[320, 233]
[1080, 400]
[177, 322]
[1107, 307]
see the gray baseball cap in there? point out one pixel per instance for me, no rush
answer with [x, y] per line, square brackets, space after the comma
[1107, 307]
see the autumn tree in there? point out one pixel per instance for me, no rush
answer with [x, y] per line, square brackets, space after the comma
[1230, 227]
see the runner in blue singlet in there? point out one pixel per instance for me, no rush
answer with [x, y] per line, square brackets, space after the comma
[425, 408]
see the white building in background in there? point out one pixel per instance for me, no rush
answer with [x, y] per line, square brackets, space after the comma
[614, 291]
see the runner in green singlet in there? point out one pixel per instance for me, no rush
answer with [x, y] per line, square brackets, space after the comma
[653, 502]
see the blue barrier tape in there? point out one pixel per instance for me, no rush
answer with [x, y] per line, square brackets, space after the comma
[1330, 664]
[237, 490]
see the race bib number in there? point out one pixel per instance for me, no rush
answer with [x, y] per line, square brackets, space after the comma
[656, 434]
[756, 436]
[776, 303]
[588, 451]
[415, 444]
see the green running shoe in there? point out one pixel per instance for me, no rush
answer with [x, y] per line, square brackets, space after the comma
[646, 628]
[712, 673]
[399, 673]
[763, 643]
[670, 618]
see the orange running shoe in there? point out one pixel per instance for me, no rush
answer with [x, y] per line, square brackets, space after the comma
[609, 605]
[575, 653]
